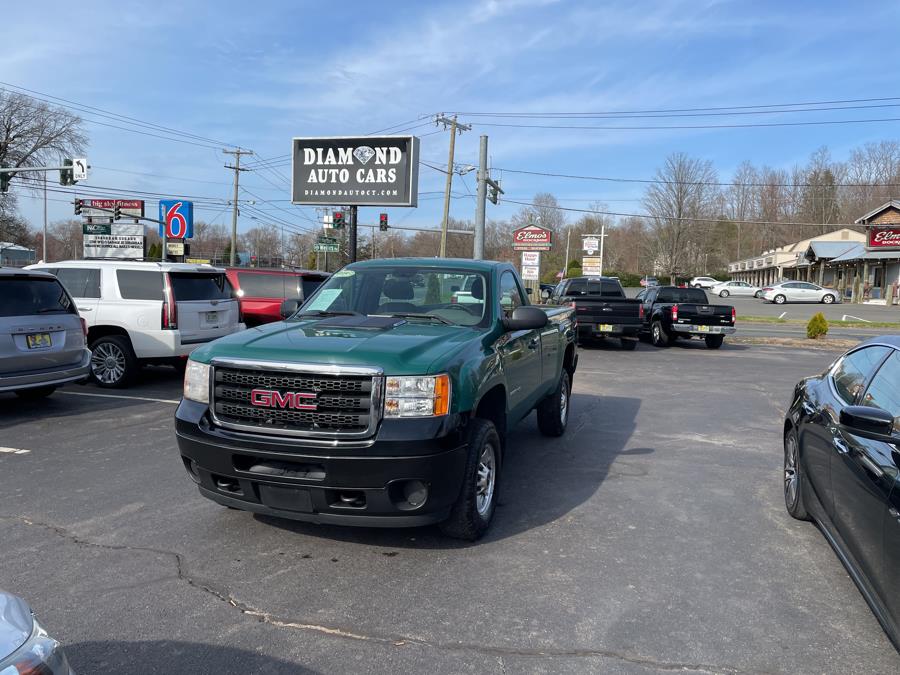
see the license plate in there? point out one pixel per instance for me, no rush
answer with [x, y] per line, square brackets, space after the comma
[604, 328]
[212, 317]
[703, 329]
[38, 341]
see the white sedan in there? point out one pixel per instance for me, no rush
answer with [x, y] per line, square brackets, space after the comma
[726, 288]
[799, 291]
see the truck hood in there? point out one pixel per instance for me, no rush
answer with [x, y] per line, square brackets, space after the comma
[407, 349]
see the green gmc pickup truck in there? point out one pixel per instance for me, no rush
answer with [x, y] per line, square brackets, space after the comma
[384, 400]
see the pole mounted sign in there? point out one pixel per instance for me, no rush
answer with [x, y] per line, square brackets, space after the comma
[128, 208]
[532, 238]
[176, 218]
[883, 237]
[590, 244]
[356, 171]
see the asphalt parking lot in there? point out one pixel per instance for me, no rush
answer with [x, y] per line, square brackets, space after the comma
[652, 537]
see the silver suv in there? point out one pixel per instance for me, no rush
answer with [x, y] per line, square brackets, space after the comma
[42, 337]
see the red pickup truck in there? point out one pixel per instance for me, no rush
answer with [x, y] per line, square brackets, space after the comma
[261, 291]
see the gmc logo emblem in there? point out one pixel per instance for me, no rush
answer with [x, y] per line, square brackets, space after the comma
[295, 400]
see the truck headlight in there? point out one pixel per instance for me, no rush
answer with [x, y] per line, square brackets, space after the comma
[417, 396]
[196, 382]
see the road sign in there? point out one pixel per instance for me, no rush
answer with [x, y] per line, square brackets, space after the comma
[177, 219]
[532, 238]
[531, 272]
[79, 168]
[590, 244]
[175, 247]
[326, 248]
[531, 258]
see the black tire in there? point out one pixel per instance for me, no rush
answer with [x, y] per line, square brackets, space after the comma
[757, 295]
[658, 337]
[779, 299]
[35, 392]
[714, 341]
[553, 411]
[828, 298]
[466, 520]
[103, 371]
[723, 293]
[628, 344]
[793, 477]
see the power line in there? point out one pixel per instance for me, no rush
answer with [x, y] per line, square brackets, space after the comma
[754, 125]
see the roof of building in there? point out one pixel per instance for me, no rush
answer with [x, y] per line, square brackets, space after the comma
[829, 249]
[859, 252]
[9, 246]
[894, 203]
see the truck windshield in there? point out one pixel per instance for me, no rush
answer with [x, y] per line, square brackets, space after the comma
[694, 296]
[416, 293]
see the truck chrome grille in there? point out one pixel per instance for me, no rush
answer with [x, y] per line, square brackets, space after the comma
[338, 405]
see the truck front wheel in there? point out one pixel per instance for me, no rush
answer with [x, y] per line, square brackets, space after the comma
[553, 411]
[471, 515]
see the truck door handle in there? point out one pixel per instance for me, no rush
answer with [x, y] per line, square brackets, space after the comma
[533, 343]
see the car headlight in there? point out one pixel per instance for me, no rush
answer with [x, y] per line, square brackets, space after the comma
[40, 654]
[196, 382]
[417, 396]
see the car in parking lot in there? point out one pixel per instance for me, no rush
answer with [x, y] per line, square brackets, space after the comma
[261, 292]
[25, 647]
[673, 312]
[648, 282]
[842, 468]
[737, 288]
[42, 337]
[703, 282]
[799, 291]
[146, 312]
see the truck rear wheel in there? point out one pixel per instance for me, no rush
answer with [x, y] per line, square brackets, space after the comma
[553, 411]
[714, 341]
[628, 344]
[471, 515]
[658, 335]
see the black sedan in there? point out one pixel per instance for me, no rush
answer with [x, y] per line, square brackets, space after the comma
[842, 468]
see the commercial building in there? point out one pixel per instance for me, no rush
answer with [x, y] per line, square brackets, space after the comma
[13, 255]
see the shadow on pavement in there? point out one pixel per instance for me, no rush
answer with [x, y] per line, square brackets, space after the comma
[170, 656]
[543, 479]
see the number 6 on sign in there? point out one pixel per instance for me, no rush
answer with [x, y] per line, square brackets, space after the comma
[176, 219]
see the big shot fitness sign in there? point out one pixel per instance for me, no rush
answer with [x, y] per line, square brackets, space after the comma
[356, 171]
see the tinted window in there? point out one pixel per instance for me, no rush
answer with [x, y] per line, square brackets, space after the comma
[81, 282]
[140, 284]
[310, 286]
[596, 287]
[854, 369]
[268, 285]
[690, 295]
[510, 295]
[26, 297]
[199, 286]
[884, 392]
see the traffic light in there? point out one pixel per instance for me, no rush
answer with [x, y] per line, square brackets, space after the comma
[66, 176]
[117, 211]
[337, 220]
[79, 203]
[4, 181]
[383, 222]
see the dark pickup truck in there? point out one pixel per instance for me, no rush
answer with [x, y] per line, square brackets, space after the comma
[601, 308]
[671, 312]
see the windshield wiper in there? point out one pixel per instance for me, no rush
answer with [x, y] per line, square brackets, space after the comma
[327, 312]
[414, 315]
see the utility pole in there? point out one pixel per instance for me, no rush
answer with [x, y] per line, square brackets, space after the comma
[602, 238]
[44, 256]
[234, 205]
[566, 261]
[481, 198]
[454, 126]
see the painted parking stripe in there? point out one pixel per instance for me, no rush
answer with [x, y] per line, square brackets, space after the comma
[131, 398]
[14, 451]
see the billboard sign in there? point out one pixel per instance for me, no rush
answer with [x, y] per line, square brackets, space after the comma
[128, 208]
[355, 171]
[883, 237]
[590, 244]
[96, 228]
[591, 266]
[113, 246]
[532, 238]
[531, 273]
[531, 258]
[176, 218]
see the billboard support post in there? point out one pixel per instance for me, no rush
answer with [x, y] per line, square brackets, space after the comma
[353, 230]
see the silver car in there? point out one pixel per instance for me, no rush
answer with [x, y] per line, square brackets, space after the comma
[42, 337]
[799, 291]
[25, 647]
[737, 288]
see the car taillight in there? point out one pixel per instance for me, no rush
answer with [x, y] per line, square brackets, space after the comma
[767, 289]
[641, 311]
[84, 328]
[169, 319]
[733, 315]
[674, 312]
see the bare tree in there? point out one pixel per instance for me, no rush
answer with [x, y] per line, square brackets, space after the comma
[684, 195]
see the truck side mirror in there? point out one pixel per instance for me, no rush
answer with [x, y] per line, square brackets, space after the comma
[525, 318]
[290, 306]
[545, 294]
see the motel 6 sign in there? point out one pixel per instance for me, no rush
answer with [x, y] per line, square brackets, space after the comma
[176, 219]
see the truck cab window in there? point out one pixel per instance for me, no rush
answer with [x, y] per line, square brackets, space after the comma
[510, 295]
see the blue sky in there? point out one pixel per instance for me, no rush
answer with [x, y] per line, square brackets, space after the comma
[256, 74]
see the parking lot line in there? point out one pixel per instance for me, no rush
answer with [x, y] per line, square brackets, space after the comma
[133, 398]
[14, 451]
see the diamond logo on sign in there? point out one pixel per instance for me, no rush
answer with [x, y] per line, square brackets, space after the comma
[364, 153]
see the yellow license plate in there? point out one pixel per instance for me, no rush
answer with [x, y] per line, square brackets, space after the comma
[38, 341]
[604, 328]
[703, 329]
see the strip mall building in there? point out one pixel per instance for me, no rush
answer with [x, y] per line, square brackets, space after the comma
[862, 266]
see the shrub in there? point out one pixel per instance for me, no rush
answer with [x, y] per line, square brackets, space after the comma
[817, 326]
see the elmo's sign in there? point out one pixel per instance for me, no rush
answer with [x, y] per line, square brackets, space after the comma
[532, 238]
[884, 237]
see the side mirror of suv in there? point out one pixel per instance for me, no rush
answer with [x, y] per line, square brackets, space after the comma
[526, 318]
[290, 306]
[868, 419]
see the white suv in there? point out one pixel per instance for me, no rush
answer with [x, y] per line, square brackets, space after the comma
[703, 282]
[146, 312]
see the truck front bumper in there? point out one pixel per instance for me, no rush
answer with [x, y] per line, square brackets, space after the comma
[703, 330]
[410, 474]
